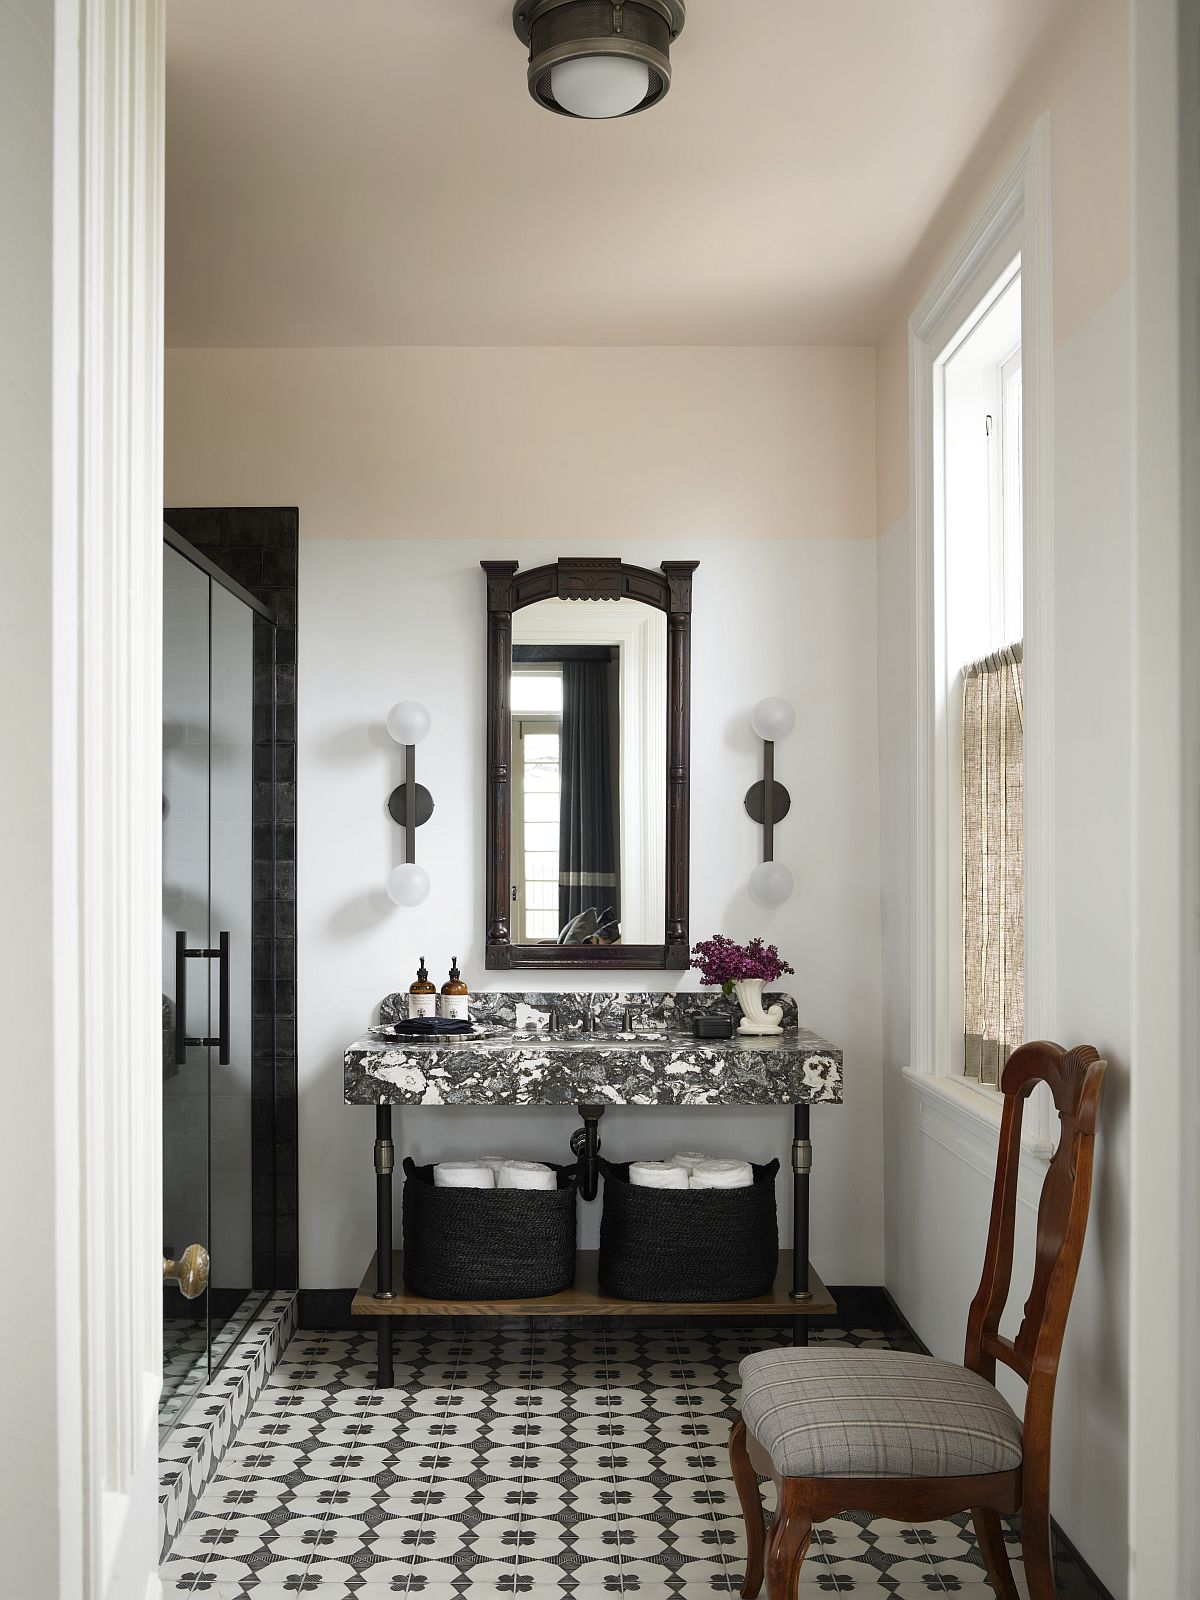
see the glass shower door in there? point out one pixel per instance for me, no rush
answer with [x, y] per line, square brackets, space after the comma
[208, 1000]
[231, 744]
[185, 870]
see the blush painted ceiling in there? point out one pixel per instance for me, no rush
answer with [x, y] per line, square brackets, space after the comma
[373, 172]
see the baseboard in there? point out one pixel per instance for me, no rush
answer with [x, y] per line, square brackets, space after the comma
[865, 1306]
[1073, 1577]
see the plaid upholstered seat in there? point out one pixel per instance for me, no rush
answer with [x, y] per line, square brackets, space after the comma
[876, 1414]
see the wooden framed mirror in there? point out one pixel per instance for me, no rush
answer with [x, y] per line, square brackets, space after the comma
[588, 764]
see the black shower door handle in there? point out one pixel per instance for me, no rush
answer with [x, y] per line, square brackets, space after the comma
[223, 1007]
[181, 955]
[182, 1038]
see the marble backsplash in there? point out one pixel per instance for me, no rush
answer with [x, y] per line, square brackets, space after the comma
[668, 1012]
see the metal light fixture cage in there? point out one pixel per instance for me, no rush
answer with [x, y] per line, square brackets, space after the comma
[563, 30]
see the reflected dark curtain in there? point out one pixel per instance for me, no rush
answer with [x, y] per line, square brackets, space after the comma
[587, 861]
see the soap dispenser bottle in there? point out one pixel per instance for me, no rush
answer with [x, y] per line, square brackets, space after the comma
[455, 994]
[422, 996]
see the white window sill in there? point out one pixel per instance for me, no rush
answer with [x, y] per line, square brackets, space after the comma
[966, 1121]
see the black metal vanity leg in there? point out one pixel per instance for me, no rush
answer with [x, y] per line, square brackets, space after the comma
[385, 1161]
[801, 1169]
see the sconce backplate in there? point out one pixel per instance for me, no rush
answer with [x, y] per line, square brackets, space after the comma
[399, 810]
[756, 803]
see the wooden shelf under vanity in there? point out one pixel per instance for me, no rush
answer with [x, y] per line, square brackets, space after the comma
[585, 1298]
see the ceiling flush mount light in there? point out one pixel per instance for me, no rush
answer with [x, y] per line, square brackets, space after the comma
[598, 58]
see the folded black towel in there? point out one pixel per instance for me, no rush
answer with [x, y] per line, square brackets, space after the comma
[435, 1027]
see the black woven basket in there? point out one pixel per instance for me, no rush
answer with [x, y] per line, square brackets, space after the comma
[688, 1244]
[488, 1244]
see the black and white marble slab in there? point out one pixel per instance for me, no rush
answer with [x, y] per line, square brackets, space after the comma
[649, 1009]
[659, 1064]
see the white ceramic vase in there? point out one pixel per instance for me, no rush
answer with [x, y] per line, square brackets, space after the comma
[749, 993]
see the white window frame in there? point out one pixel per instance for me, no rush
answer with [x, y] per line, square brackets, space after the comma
[1015, 220]
[541, 723]
[1009, 584]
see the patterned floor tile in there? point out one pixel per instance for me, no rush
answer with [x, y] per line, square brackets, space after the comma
[554, 1465]
[209, 1588]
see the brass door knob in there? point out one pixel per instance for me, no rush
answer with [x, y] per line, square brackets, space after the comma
[190, 1272]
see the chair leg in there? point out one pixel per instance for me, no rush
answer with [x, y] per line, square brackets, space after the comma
[989, 1531]
[791, 1534]
[746, 1481]
[1036, 1553]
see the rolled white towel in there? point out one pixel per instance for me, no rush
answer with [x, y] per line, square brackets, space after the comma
[722, 1175]
[688, 1159]
[526, 1175]
[463, 1175]
[658, 1175]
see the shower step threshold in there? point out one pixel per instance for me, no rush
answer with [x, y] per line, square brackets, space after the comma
[585, 1298]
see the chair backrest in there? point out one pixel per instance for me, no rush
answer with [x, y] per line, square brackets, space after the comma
[1074, 1078]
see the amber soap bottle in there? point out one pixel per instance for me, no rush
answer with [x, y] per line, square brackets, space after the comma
[422, 996]
[455, 995]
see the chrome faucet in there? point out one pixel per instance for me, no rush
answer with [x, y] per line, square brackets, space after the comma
[589, 1019]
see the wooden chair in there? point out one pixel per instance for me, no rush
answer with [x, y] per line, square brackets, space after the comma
[917, 1439]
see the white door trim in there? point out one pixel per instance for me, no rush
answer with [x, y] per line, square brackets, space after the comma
[106, 708]
[1016, 216]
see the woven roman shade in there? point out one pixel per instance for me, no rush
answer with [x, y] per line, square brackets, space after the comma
[993, 794]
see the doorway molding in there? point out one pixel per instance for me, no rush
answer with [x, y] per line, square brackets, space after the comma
[106, 696]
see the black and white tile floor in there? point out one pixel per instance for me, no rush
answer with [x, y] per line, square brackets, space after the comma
[548, 1464]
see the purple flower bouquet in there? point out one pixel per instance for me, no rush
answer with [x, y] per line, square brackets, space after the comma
[744, 970]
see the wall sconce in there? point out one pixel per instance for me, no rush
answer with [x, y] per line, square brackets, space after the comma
[768, 802]
[410, 804]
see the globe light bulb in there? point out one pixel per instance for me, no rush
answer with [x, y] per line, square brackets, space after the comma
[599, 86]
[408, 722]
[407, 884]
[772, 719]
[771, 883]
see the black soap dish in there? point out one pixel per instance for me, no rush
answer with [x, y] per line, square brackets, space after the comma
[712, 1027]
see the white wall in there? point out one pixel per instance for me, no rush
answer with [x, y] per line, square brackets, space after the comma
[29, 1367]
[409, 465]
[383, 620]
[937, 1202]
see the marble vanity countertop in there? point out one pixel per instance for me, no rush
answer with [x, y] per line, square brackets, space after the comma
[657, 1064]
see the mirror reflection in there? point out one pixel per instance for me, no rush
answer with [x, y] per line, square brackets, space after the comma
[588, 698]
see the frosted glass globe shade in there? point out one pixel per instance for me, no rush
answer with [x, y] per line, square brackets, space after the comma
[408, 885]
[772, 718]
[771, 883]
[599, 86]
[408, 722]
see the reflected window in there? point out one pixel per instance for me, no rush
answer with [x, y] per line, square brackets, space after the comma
[537, 695]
